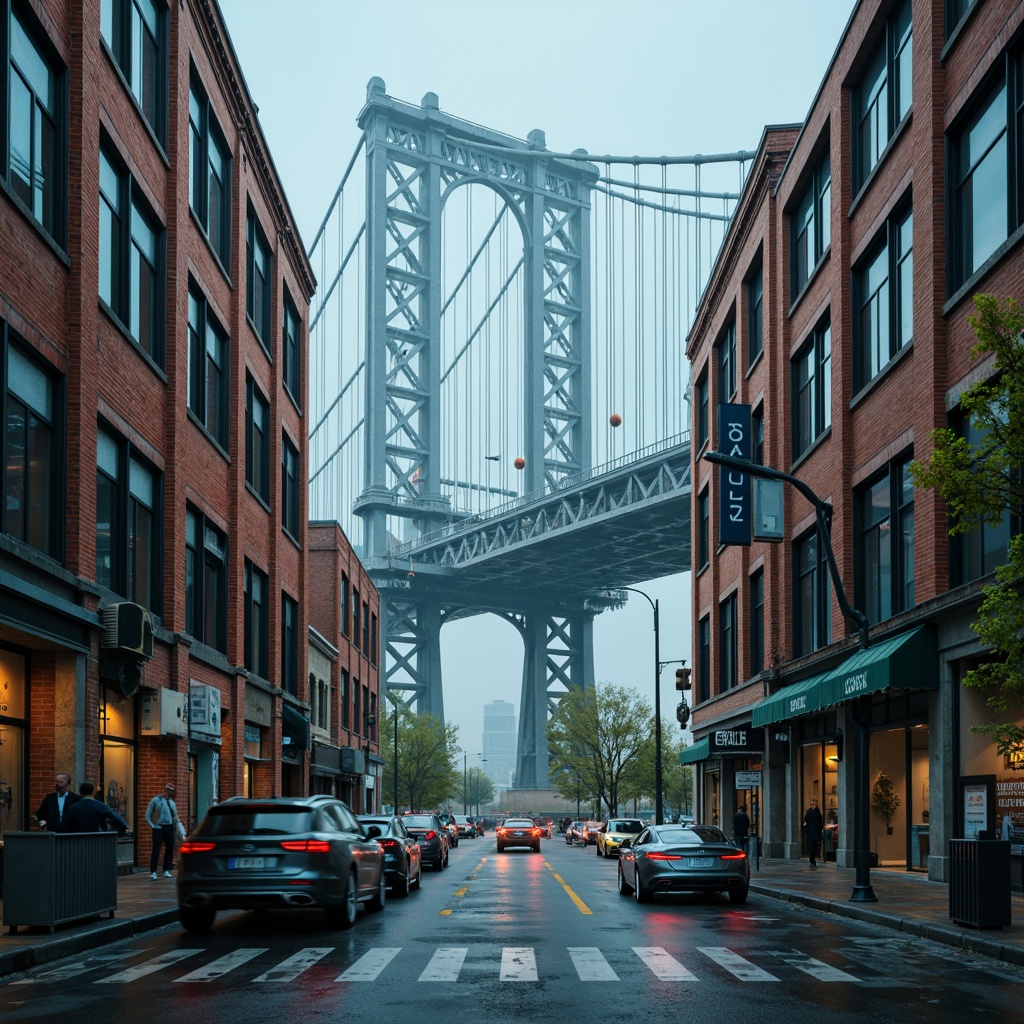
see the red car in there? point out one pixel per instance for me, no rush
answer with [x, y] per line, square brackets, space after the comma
[518, 832]
[590, 832]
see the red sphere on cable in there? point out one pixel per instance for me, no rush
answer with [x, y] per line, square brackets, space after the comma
[615, 420]
[520, 462]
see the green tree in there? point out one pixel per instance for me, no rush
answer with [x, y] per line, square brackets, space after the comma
[426, 766]
[984, 483]
[676, 780]
[603, 737]
[480, 789]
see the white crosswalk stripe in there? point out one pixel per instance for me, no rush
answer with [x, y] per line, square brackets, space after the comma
[518, 963]
[735, 964]
[445, 964]
[664, 966]
[370, 964]
[158, 963]
[815, 968]
[290, 969]
[591, 964]
[218, 968]
[72, 970]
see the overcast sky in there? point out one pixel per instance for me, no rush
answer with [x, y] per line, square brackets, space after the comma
[646, 77]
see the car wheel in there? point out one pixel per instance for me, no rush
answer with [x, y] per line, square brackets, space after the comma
[739, 895]
[378, 902]
[344, 916]
[403, 887]
[196, 919]
[536, 849]
[623, 888]
[500, 848]
[641, 894]
[597, 850]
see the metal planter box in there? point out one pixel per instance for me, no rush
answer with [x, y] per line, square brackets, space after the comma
[979, 882]
[51, 878]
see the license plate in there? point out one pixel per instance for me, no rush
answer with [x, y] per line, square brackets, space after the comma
[517, 834]
[235, 863]
[700, 862]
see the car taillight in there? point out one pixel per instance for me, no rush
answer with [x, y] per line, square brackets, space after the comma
[306, 845]
[430, 835]
[534, 831]
[664, 856]
[734, 856]
[194, 846]
[387, 844]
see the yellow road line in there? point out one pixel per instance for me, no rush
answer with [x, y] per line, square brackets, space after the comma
[459, 893]
[580, 905]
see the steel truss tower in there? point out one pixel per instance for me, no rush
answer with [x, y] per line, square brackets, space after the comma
[416, 157]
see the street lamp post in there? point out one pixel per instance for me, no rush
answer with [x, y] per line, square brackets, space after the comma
[394, 757]
[862, 890]
[464, 756]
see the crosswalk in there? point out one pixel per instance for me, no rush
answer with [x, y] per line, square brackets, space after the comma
[451, 964]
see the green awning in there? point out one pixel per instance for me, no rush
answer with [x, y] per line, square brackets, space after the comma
[909, 661]
[791, 701]
[694, 753]
[294, 727]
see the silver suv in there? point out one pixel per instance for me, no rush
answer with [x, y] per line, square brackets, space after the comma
[286, 852]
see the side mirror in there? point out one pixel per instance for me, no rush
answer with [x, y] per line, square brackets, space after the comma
[373, 831]
[626, 844]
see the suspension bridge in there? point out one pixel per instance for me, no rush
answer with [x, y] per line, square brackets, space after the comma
[499, 388]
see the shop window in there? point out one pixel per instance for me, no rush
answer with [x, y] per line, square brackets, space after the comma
[13, 764]
[117, 767]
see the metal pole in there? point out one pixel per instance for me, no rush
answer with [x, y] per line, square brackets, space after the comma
[394, 757]
[464, 755]
[659, 809]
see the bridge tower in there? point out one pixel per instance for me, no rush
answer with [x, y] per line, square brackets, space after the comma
[416, 157]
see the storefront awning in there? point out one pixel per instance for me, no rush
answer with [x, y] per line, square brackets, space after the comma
[694, 753]
[906, 662]
[294, 728]
[791, 701]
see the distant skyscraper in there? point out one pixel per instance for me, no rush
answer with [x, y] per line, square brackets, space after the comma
[500, 738]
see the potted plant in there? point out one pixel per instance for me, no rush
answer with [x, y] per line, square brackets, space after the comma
[884, 801]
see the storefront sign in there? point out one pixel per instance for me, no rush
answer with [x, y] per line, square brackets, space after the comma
[734, 504]
[740, 739]
[975, 809]
[748, 780]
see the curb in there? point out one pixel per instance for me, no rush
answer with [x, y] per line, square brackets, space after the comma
[13, 961]
[969, 942]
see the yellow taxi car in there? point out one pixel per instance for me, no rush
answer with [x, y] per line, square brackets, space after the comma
[609, 839]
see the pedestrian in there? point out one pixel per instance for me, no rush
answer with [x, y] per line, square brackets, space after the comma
[92, 815]
[50, 816]
[162, 818]
[741, 827]
[813, 827]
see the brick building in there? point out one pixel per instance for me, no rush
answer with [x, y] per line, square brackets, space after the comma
[345, 712]
[837, 312]
[154, 298]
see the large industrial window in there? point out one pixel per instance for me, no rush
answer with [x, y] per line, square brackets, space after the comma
[812, 388]
[209, 174]
[136, 33]
[257, 446]
[209, 370]
[206, 581]
[812, 596]
[810, 225]
[257, 621]
[258, 282]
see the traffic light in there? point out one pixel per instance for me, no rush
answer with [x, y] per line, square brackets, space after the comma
[683, 678]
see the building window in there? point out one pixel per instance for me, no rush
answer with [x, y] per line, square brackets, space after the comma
[981, 550]
[374, 634]
[812, 389]
[257, 279]
[355, 618]
[209, 371]
[319, 696]
[206, 581]
[289, 645]
[703, 529]
[755, 315]
[344, 698]
[810, 227]
[726, 350]
[344, 605]
[257, 448]
[704, 656]
[757, 436]
[36, 125]
[757, 622]
[136, 32]
[33, 427]
[884, 297]
[257, 621]
[292, 350]
[357, 718]
[129, 532]
[812, 596]
[209, 174]
[702, 412]
[885, 543]
[130, 258]
[366, 629]
[290, 488]
[883, 98]
[728, 645]
[955, 11]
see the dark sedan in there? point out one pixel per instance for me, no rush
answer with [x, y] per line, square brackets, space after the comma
[284, 852]
[518, 832]
[432, 837]
[403, 859]
[682, 858]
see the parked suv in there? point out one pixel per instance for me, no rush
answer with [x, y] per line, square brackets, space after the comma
[432, 837]
[285, 852]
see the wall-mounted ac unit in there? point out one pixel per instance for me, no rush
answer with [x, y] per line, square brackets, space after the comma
[204, 711]
[163, 713]
[127, 627]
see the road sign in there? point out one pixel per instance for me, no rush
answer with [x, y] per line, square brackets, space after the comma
[748, 780]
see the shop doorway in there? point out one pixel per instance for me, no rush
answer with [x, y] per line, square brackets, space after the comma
[899, 774]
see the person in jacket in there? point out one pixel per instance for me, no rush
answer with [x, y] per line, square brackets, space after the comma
[162, 818]
[741, 827]
[92, 815]
[50, 816]
[814, 825]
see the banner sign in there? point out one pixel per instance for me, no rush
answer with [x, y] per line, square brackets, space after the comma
[734, 500]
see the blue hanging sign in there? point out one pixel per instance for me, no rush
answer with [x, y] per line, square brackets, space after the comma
[734, 501]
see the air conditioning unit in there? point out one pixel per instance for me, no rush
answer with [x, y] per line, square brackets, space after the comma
[127, 627]
[163, 713]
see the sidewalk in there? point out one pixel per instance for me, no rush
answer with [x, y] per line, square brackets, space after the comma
[907, 902]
